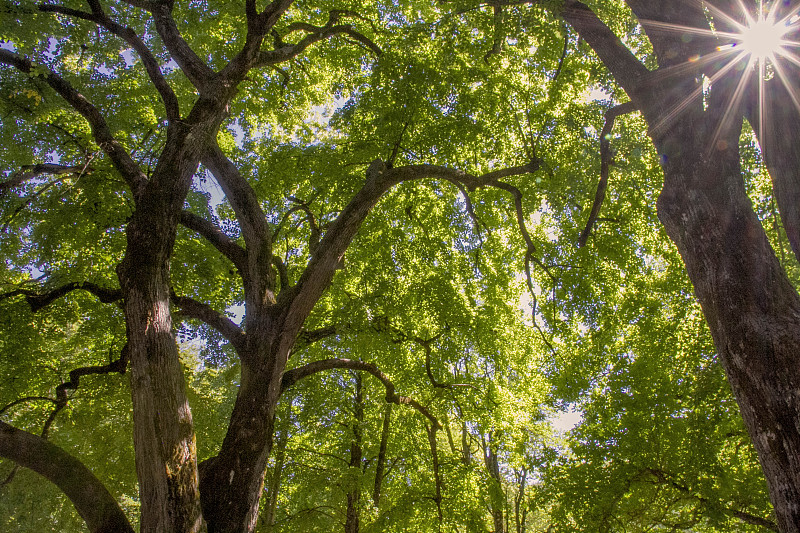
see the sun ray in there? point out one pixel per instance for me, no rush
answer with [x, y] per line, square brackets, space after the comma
[755, 43]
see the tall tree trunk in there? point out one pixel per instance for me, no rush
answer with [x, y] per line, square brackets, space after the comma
[752, 309]
[164, 440]
[496, 496]
[381, 461]
[352, 517]
[520, 511]
[274, 485]
[231, 483]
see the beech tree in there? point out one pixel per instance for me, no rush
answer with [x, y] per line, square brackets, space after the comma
[453, 126]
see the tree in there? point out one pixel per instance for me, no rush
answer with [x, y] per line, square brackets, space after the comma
[161, 97]
[196, 96]
[747, 298]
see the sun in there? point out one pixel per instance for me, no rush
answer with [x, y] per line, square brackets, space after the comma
[762, 38]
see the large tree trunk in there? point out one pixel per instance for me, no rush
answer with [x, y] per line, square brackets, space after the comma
[232, 482]
[752, 309]
[380, 466]
[496, 495]
[164, 439]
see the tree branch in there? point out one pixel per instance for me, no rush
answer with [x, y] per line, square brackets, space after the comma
[257, 276]
[119, 366]
[89, 496]
[314, 35]
[217, 238]
[198, 72]
[29, 172]
[38, 300]
[605, 162]
[301, 298]
[122, 161]
[626, 69]
[225, 326]
[291, 377]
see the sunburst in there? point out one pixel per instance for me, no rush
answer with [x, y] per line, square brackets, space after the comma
[758, 44]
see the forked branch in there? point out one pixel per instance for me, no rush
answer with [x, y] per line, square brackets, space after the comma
[605, 164]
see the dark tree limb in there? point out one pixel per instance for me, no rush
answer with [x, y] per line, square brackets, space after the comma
[120, 158]
[90, 497]
[605, 163]
[626, 69]
[290, 377]
[26, 399]
[315, 34]
[191, 308]
[380, 464]
[499, 34]
[317, 276]
[316, 232]
[283, 274]
[38, 300]
[217, 238]
[198, 72]
[257, 274]
[29, 172]
[120, 366]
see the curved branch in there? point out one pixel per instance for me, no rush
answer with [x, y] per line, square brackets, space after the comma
[626, 69]
[258, 281]
[121, 159]
[38, 300]
[91, 498]
[224, 244]
[198, 72]
[283, 273]
[314, 35]
[605, 163]
[25, 400]
[225, 326]
[301, 298]
[120, 366]
[291, 377]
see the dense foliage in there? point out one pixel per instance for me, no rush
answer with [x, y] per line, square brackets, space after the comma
[473, 315]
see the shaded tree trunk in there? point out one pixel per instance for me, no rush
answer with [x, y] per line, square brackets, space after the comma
[752, 309]
[274, 485]
[380, 465]
[352, 515]
[496, 495]
[520, 510]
